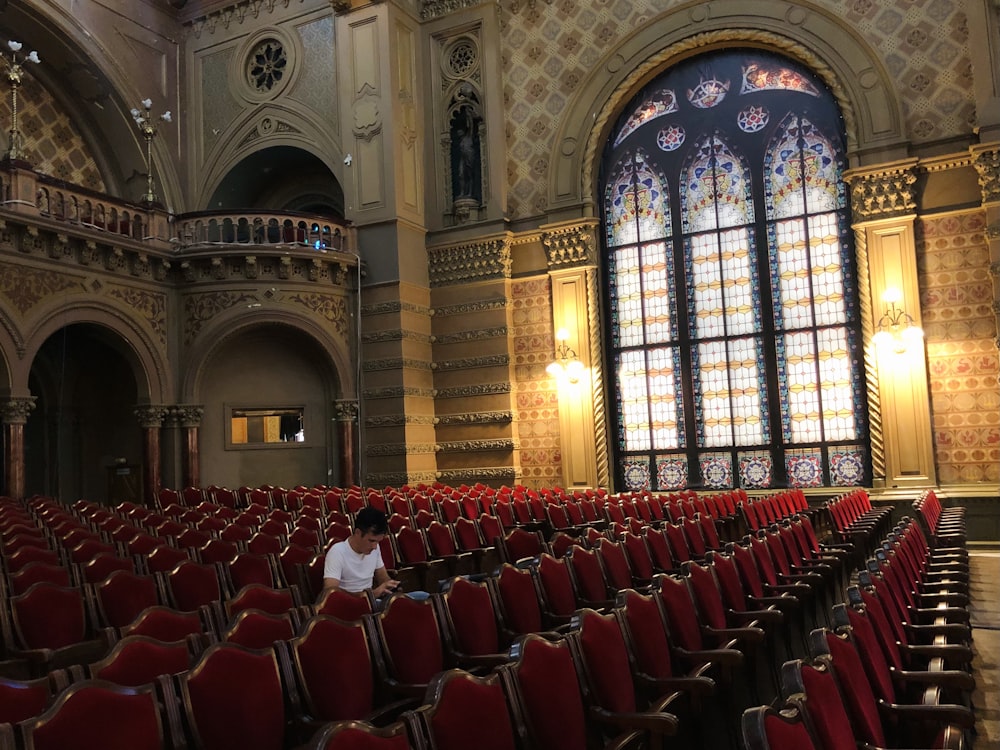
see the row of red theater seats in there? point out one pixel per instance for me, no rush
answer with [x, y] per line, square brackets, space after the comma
[581, 557]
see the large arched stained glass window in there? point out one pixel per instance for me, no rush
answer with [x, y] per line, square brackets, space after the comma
[733, 314]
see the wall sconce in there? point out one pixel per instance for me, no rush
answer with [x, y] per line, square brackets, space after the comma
[896, 327]
[566, 364]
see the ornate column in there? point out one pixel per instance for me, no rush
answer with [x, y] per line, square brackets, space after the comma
[986, 159]
[884, 207]
[572, 259]
[151, 420]
[15, 414]
[347, 415]
[188, 416]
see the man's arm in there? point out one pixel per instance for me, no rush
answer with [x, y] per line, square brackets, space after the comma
[383, 583]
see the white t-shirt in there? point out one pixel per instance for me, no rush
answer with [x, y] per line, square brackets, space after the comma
[354, 571]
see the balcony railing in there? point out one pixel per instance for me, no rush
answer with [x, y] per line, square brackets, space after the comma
[27, 192]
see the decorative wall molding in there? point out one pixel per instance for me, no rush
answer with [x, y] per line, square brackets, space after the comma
[399, 478]
[331, 308]
[15, 410]
[186, 415]
[479, 334]
[151, 416]
[469, 446]
[468, 363]
[883, 193]
[396, 363]
[571, 244]
[471, 391]
[235, 14]
[430, 9]
[399, 391]
[503, 474]
[201, 308]
[25, 287]
[346, 410]
[395, 306]
[476, 417]
[400, 420]
[397, 334]
[151, 305]
[400, 449]
[466, 308]
[484, 260]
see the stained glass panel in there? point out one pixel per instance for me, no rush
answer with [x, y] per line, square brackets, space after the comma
[759, 76]
[717, 189]
[802, 171]
[638, 203]
[663, 103]
[671, 473]
[633, 400]
[835, 368]
[756, 469]
[627, 298]
[804, 467]
[716, 470]
[664, 423]
[637, 475]
[656, 293]
[802, 387]
[847, 466]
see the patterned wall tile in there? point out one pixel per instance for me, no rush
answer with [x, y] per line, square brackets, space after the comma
[960, 328]
[550, 47]
[536, 398]
[52, 144]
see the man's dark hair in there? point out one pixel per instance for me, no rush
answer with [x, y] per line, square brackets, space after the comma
[371, 521]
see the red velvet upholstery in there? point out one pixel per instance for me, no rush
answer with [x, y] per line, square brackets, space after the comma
[557, 585]
[217, 551]
[411, 546]
[263, 543]
[138, 660]
[696, 542]
[658, 548]
[254, 628]
[265, 598]
[858, 696]
[123, 595]
[343, 605]
[34, 621]
[15, 561]
[440, 539]
[248, 568]
[679, 549]
[467, 534]
[22, 699]
[589, 576]
[649, 636]
[520, 543]
[825, 707]
[606, 657]
[474, 621]
[97, 715]
[521, 609]
[333, 664]
[639, 556]
[491, 528]
[192, 585]
[290, 558]
[165, 558]
[165, 624]
[468, 710]
[22, 580]
[233, 699]
[875, 665]
[104, 565]
[706, 594]
[615, 563]
[545, 681]
[412, 640]
[683, 624]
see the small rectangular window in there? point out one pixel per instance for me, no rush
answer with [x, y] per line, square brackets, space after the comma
[266, 427]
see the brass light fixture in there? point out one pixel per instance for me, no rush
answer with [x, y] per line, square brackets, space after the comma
[567, 364]
[896, 327]
[146, 123]
[15, 72]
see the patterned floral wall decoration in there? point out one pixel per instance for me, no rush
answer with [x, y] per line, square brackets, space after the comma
[960, 330]
[537, 401]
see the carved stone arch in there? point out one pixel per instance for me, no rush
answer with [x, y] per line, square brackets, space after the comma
[250, 134]
[824, 42]
[235, 322]
[147, 361]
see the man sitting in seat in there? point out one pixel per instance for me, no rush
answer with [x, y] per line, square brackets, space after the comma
[355, 564]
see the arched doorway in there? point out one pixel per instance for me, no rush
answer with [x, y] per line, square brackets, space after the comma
[82, 440]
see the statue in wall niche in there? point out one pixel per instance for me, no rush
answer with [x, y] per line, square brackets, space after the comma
[466, 158]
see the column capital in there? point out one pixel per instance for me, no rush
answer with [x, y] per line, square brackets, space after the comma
[151, 415]
[346, 409]
[571, 244]
[884, 192]
[986, 160]
[16, 409]
[187, 415]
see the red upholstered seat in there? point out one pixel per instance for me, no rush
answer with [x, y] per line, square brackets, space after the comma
[767, 728]
[472, 626]
[344, 605]
[359, 735]
[410, 644]
[138, 660]
[255, 628]
[123, 595]
[464, 710]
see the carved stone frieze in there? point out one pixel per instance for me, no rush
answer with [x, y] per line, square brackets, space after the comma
[469, 446]
[399, 420]
[236, 12]
[401, 449]
[476, 261]
[395, 306]
[15, 410]
[151, 415]
[437, 8]
[25, 287]
[399, 391]
[465, 308]
[331, 308]
[470, 391]
[396, 363]
[397, 334]
[476, 417]
[201, 308]
[455, 476]
[986, 160]
[398, 479]
[467, 363]
[152, 305]
[884, 193]
[572, 245]
[479, 334]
